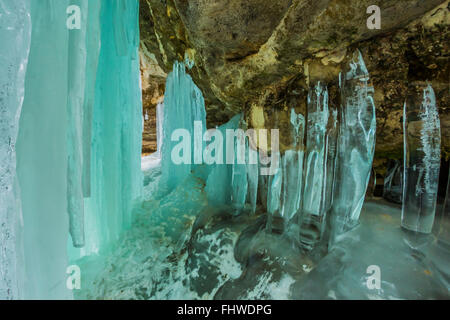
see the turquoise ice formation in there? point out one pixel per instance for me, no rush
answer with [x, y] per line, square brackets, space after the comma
[216, 225]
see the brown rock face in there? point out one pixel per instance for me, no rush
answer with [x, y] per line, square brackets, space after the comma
[153, 80]
[264, 54]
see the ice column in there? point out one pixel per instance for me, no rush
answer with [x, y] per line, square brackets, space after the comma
[75, 103]
[355, 147]
[239, 182]
[219, 180]
[292, 167]
[116, 134]
[42, 153]
[15, 31]
[274, 190]
[252, 175]
[422, 153]
[93, 46]
[315, 171]
[159, 128]
[183, 105]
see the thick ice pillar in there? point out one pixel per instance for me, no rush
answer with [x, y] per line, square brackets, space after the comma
[183, 106]
[422, 154]
[218, 184]
[292, 167]
[15, 31]
[252, 176]
[75, 103]
[356, 145]
[42, 153]
[93, 45]
[239, 182]
[314, 192]
[116, 134]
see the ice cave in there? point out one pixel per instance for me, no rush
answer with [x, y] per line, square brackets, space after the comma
[236, 150]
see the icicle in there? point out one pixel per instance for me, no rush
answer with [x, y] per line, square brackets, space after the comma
[42, 154]
[356, 145]
[274, 191]
[314, 192]
[422, 153]
[116, 133]
[239, 183]
[252, 177]
[75, 101]
[292, 166]
[183, 106]
[120, 27]
[331, 151]
[159, 127]
[93, 43]
[219, 180]
[15, 31]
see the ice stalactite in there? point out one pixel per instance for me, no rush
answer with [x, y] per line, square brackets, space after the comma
[292, 167]
[184, 113]
[274, 185]
[42, 153]
[75, 104]
[315, 170]
[355, 146]
[78, 141]
[252, 176]
[15, 32]
[93, 43]
[393, 182]
[422, 153]
[159, 128]
[239, 182]
[218, 184]
[116, 134]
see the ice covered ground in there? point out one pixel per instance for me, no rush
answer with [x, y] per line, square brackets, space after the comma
[200, 252]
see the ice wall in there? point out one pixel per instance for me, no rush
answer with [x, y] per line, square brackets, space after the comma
[15, 32]
[79, 138]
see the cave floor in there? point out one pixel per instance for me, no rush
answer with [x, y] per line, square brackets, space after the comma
[217, 256]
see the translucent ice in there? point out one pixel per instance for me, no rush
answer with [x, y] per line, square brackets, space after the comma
[355, 147]
[292, 167]
[42, 154]
[274, 191]
[239, 182]
[314, 195]
[15, 31]
[183, 105]
[75, 103]
[422, 153]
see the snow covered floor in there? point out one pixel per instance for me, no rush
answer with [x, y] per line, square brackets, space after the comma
[199, 252]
